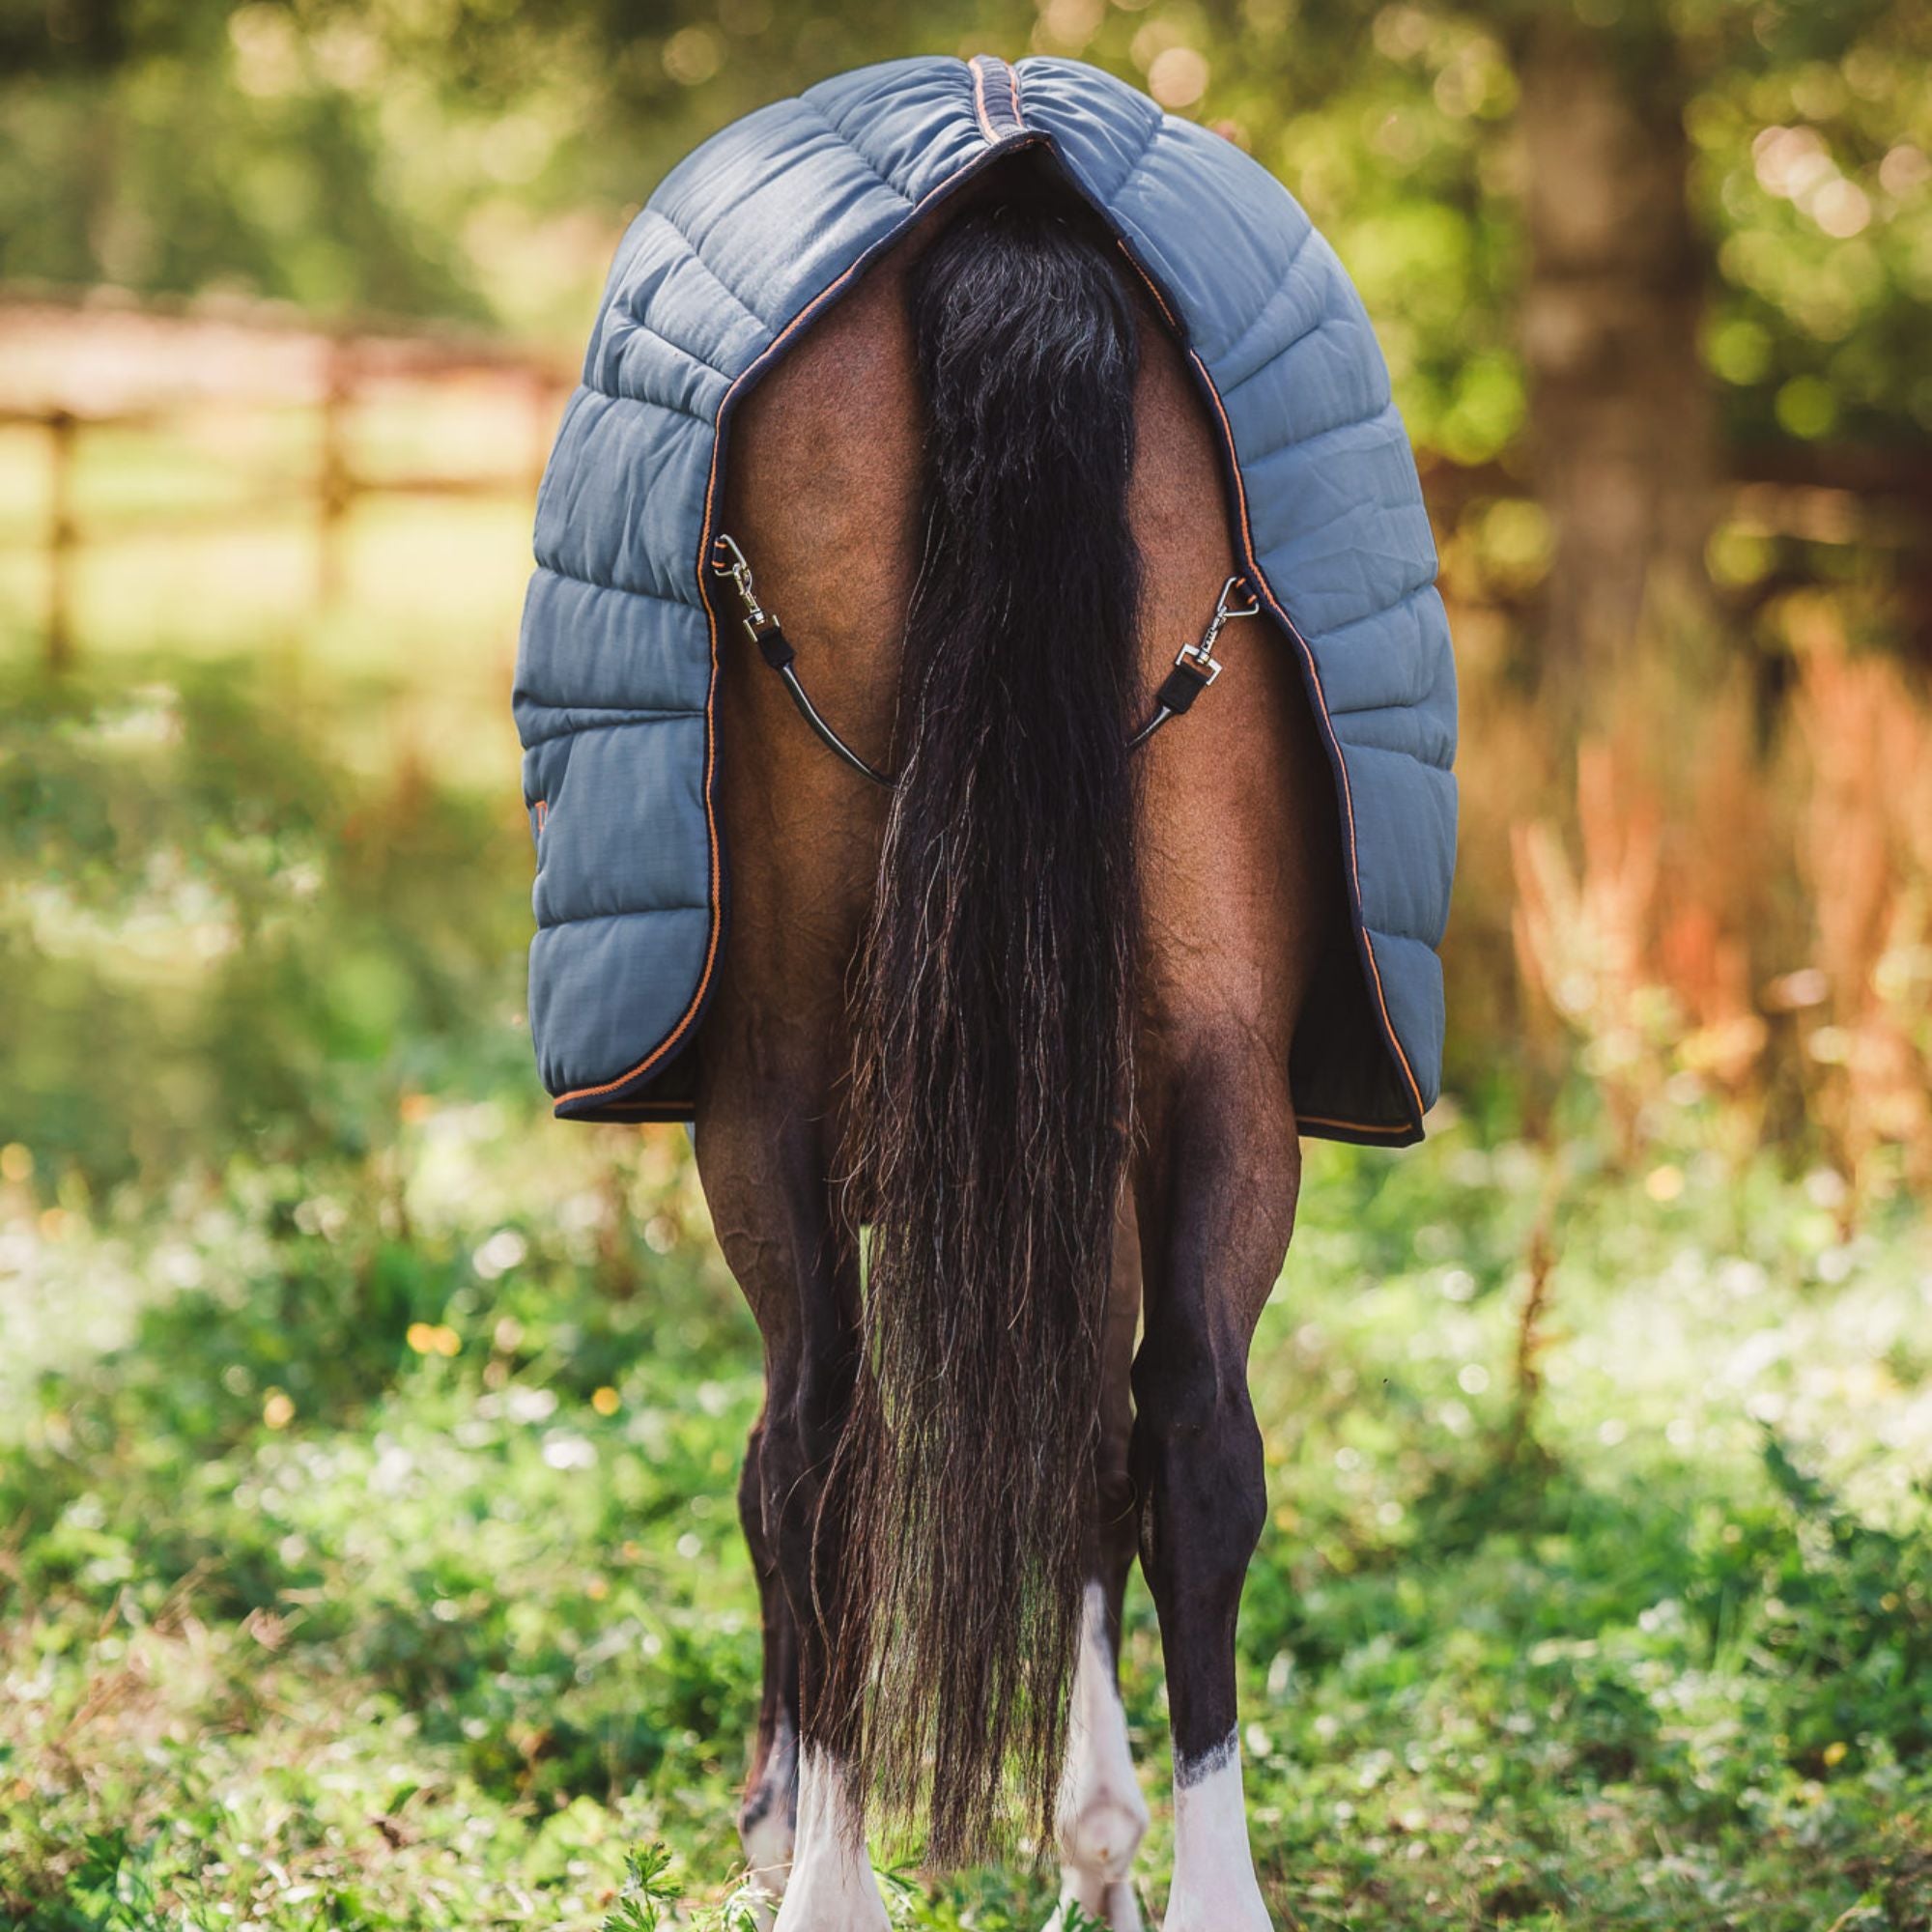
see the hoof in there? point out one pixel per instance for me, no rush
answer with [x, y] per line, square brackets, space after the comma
[1100, 1839]
[1108, 1902]
[830, 1887]
[768, 1830]
[1254, 1918]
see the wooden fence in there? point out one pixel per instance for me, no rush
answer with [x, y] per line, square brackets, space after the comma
[71, 369]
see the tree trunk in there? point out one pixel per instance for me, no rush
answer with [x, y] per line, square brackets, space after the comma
[1623, 423]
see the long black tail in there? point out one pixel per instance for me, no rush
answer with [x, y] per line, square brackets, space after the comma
[992, 1094]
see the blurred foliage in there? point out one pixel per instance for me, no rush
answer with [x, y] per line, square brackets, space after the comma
[217, 936]
[469, 158]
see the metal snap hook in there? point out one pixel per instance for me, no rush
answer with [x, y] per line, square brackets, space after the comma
[1202, 655]
[728, 560]
[1224, 610]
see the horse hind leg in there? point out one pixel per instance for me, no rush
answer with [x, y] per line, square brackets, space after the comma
[822, 487]
[768, 1816]
[833, 1887]
[766, 1177]
[1241, 896]
[1102, 1817]
[1228, 1168]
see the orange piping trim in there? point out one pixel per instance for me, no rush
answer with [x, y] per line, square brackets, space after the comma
[980, 64]
[771, 349]
[1160, 300]
[979, 98]
[1353, 1127]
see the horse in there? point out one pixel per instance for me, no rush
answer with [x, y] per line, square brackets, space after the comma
[993, 1109]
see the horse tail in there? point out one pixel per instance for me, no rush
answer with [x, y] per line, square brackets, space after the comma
[992, 1099]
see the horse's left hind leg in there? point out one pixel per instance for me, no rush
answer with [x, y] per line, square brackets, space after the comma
[762, 1156]
[768, 1816]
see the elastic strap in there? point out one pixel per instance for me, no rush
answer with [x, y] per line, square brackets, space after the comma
[1194, 669]
[776, 648]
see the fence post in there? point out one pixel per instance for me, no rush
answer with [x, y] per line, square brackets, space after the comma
[63, 538]
[335, 485]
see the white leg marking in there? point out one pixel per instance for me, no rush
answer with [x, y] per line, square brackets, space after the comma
[1103, 1814]
[769, 1824]
[1214, 1885]
[830, 1887]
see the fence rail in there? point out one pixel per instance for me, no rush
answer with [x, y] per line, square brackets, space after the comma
[73, 368]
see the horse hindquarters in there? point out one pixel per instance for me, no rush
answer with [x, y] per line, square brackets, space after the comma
[1230, 848]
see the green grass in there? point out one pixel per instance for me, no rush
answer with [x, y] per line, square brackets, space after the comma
[368, 1556]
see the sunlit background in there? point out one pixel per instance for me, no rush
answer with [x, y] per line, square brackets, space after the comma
[368, 1554]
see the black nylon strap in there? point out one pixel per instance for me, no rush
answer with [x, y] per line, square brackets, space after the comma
[1179, 690]
[775, 647]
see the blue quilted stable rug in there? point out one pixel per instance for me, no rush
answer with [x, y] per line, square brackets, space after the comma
[747, 241]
